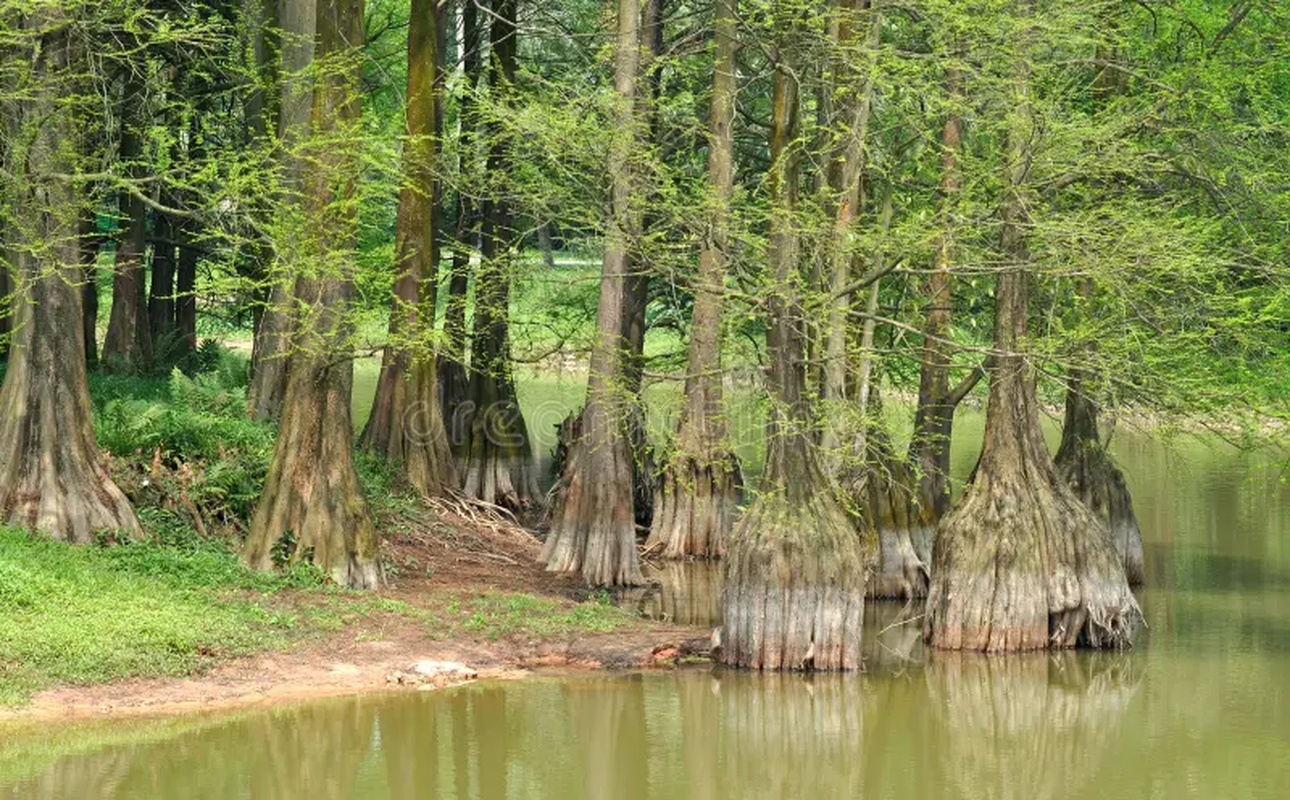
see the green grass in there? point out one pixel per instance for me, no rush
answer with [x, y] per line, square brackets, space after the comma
[495, 615]
[96, 614]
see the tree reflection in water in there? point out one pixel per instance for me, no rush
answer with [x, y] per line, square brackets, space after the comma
[1030, 726]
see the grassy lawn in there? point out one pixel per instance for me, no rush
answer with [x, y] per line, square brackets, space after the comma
[97, 614]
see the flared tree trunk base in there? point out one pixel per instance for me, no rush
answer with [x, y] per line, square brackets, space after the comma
[593, 529]
[695, 507]
[407, 428]
[794, 586]
[1021, 564]
[496, 463]
[312, 507]
[1096, 480]
[885, 490]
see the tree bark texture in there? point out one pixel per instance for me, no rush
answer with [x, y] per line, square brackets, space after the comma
[1020, 563]
[297, 20]
[89, 290]
[795, 568]
[858, 23]
[454, 382]
[406, 425]
[698, 492]
[593, 530]
[161, 293]
[1085, 463]
[496, 461]
[51, 478]
[311, 499]
[929, 447]
[127, 344]
[186, 286]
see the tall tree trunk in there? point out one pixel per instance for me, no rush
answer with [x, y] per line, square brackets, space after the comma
[497, 460]
[795, 568]
[1083, 459]
[186, 285]
[271, 349]
[698, 493]
[51, 478]
[127, 344]
[405, 425]
[6, 303]
[161, 296]
[311, 495]
[1020, 563]
[593, 530]
[856, 18]
[453, 380]
[929, 447]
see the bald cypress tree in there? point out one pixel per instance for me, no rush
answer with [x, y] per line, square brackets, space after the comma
[311, 495]
[51, 478]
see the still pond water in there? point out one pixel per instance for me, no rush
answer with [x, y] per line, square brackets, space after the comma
[1200, 708]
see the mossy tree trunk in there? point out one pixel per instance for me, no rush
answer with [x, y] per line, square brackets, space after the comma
[496, 459]
[795, 567]
[311, 498]
[593, 529]
[1020, 563]
[51, 478]
[698, 492]
[857, 30]
[297, 23]
[406, 425]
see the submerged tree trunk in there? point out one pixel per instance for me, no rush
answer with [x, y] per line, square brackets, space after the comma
[795, 568]
[297, 20]
[698, 493]
[1085, 462]
[312, 502]
[1020, 563]
[127, 343]
[497, 459]
[405, 424]
[51, 478]
[593, 529]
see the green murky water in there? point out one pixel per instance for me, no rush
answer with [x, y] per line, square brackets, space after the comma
[1200, 708]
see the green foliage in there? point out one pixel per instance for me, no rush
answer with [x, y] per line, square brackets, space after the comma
[189, 438]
